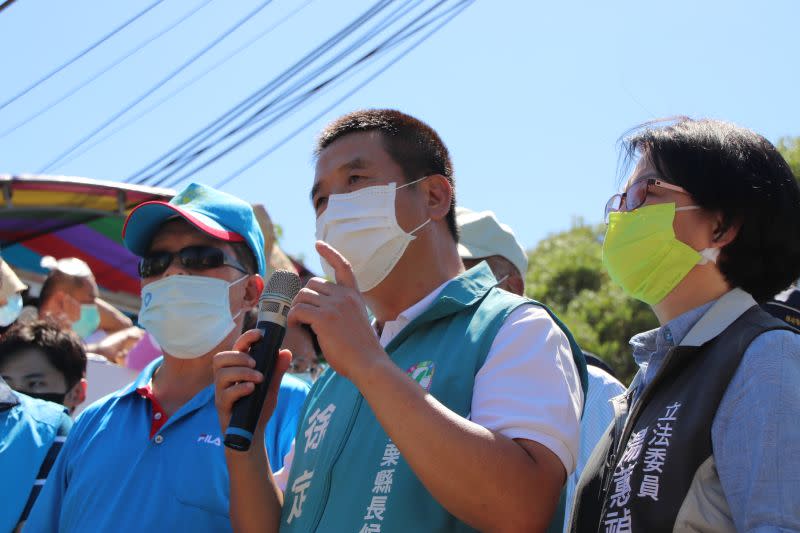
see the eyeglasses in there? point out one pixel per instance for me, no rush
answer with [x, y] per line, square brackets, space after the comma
[191, 258]
[636, 195]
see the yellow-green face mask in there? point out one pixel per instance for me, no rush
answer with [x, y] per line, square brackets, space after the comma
[643, 256]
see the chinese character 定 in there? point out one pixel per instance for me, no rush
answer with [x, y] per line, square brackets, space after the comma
[299, 488]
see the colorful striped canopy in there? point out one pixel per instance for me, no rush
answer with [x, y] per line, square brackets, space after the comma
[72, 217]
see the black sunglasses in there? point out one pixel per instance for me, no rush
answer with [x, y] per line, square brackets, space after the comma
[191, 258]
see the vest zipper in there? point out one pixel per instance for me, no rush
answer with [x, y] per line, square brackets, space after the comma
[632, 416]
[327, 487]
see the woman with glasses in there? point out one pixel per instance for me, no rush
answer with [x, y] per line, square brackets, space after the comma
[706, 439]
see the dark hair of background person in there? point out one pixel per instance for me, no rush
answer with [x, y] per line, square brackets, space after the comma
[63, 348]
[740, 174]
[411, 143]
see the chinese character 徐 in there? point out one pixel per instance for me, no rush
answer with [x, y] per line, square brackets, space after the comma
[317, 425]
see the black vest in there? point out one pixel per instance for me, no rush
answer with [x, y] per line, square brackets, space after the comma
[640, 472]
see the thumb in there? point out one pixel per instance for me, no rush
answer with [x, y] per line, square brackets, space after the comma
[341, 267]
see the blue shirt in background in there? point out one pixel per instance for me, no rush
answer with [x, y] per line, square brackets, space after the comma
[29, 428]
[755, 435]
[112, 475]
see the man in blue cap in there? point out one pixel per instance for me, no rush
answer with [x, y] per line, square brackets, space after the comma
[150, 456]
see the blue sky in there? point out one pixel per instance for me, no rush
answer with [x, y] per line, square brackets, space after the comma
[530, 97]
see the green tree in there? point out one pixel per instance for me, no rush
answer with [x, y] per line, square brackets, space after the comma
[789, 147]
[566, 273]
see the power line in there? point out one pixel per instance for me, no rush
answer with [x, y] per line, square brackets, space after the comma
[135, 118]
[347, 95]
[397, 38]
[6, 4]
[105, 69]
[187, 158]
[155, 87]
[80, 55]
[261, 114]
[230, 115]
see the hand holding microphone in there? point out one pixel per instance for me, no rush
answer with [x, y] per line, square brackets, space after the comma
[252, 372]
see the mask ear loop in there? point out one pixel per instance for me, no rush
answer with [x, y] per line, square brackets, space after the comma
[231, 284]
[412, 182]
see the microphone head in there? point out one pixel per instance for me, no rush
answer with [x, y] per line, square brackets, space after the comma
[282, 284]
[276, 300]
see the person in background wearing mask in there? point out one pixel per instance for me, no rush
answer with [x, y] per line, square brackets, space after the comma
[457, 408]
[11, 289]
[70, 296]
[483, 238]
[705, 229]
[150, 456]
[38, 362]
[44, 361]
[32, 432]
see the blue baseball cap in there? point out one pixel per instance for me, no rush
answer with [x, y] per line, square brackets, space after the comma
[221, 215]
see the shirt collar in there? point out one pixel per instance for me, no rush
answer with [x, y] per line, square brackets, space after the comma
[460, 291]
[694, 327]
[392, 327]
[144, 377]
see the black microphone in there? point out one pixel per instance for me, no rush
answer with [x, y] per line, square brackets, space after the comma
[273, 307]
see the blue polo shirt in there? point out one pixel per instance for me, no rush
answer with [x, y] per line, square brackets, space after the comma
[29, 429]
[121, 471]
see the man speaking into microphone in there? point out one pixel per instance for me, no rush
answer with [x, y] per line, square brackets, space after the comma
[457, 409]
[149, 457]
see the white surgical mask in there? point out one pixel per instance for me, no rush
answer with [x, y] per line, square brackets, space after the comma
[188, 315]
[362, 226]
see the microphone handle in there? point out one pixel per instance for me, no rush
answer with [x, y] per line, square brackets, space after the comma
[247, 410]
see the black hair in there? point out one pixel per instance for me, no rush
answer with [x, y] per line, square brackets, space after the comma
[411, 143]
[741, 175]
[63, 348]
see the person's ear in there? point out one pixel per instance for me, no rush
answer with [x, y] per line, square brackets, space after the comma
[724, 231]
[440, 196]
[253, 289]
[514, 284]
[76, 395]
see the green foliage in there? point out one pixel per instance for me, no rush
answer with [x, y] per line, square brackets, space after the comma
[789, 147]
[566, 273]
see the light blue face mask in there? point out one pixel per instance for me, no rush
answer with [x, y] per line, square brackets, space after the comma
[88, 322]
[11, 311]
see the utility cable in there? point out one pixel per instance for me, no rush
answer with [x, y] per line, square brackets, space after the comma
[103, 39]
[347, 95]
[135, 118]
[105, 69]
[155, 87]
[237, 109]
[372, 53]
[186, 158]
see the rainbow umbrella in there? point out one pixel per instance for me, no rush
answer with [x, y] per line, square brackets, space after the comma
[72, 217]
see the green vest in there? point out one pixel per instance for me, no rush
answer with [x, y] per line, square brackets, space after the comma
[347, 475]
